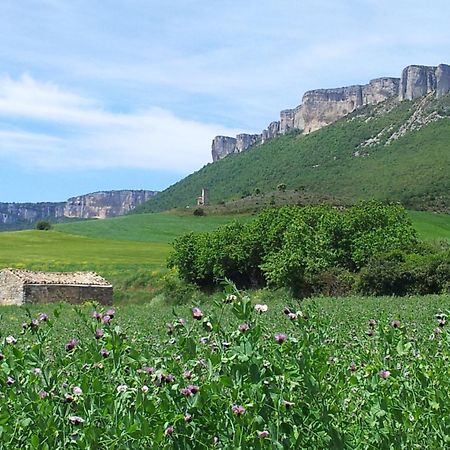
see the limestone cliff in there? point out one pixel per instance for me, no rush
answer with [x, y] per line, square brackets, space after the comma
[322, 107]
[97, 205]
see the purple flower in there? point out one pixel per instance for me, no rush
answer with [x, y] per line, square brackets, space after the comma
[186, 392]
[43, 317]
[148, 370]
[243, 327]
[43, 394]
[104, 353]
[99, 333]
[280, 338]
[372, 323]
[71, 344]
[197, 313]
[106, 319]
[97, 315]
[187, 374]
[34, 323]
[76, 420]
[395, 323]
[193, 388]
[263, 434]
[385, 374]
[169, 430]
[111, 312]
[238, 410]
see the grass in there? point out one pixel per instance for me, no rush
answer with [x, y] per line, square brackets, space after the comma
[161, 228]
[431, 226]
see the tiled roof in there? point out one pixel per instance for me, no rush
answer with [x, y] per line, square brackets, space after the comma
[69, 278]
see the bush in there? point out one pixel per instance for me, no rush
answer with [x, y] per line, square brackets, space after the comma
[43, 225]
[199, 212]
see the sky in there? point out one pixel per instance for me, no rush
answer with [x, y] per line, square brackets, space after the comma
[112, 94]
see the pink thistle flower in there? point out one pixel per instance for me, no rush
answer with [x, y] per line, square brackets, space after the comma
[169, 430]
[238, 410]
[34, 323]
[385, 374]
[263, 434]
[372, 322]
[187, 374]
[186, 392]
[144, 389]
[76, 420]
[243, 327]
[43, 317]
[280, 338]
[77, 390]
[111, 312]
[395, 323]
[106, 319]
[197, 313]
[97, 315]
[104, 353]
[194, 388]
[71, 345]
[187, 418]
[99, 333]
[43, 394]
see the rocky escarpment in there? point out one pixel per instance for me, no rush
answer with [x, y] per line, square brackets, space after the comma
[322, 107]
[97, 205]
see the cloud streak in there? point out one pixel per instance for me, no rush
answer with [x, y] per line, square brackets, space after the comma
[81, 133]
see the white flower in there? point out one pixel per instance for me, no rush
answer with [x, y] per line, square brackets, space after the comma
[122, 388]
[11, 340]
[77, 390]
[261, 308]
[144, 389]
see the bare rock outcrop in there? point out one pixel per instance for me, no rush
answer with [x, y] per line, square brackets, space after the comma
[97, 205]
[322, 107]
[418, 81]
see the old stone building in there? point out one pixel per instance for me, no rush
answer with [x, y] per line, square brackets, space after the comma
[18, 287]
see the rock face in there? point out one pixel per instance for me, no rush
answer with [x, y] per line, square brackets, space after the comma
[222, 146]
[321, 107]
[418, 81]
[98, 205]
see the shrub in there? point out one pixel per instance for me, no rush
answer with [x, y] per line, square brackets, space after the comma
[43, 225]
[199, 212]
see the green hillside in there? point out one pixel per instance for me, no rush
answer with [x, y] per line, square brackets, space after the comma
[413, 169]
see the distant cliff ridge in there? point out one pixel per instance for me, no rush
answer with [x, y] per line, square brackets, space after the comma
[322, 107]
[97, 205]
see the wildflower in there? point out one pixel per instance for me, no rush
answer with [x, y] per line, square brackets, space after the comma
[197, 313]
[395, 323]
[204, 340]
[11, 340]
[71, 345]
[122, 388]
[187, 418]
[43, 394]
[10, 381]
[76, 420]
[261, 308]
[111, 312]
[370, 332]
[97, 315]
[193, 388]
[170, 328]
[372, 323]
[169, 430]
[230, 298]
[238, 410]
[106, 319]
[148, 370]
[77, 390]
[280, 338]
[68, 398]
[144, 389]
[34, 323]
[292, 316]
[186, 392]
[187, 374]
[385, 374]
[243, 327]
[43, 317]
[352, 367]
[207, 325]
[263, 434]
[104, 353]
[182, 322]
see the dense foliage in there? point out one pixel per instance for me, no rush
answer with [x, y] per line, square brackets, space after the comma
[291, 246]
[233, 376]
[413, 169]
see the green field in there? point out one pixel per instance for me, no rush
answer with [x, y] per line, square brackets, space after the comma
[431, 226]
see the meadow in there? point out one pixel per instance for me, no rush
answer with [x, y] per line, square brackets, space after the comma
[229, 371]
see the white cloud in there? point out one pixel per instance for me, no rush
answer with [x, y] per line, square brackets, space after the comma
[82, 134]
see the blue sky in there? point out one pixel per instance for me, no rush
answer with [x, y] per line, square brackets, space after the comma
[109, 94]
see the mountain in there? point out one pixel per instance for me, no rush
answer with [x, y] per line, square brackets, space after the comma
[397, 150]
[96, 205]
